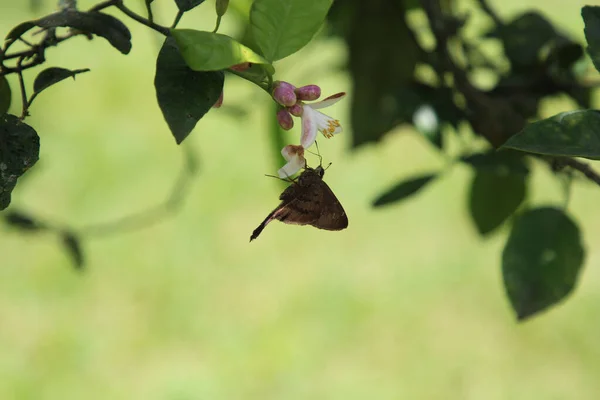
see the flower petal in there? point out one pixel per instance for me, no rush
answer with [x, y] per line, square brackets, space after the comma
[331, 100]
[309, 127]
[294, 156]
[326, 125]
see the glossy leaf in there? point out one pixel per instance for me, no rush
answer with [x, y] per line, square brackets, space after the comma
[73, 247]
[281, 28]
[541, 261]
[97, 23]
[19, 151]
[184, 95]
[186, 5]
[385, 97]
[403, 190]
[5, 95]
[50, 76]
[207, 51]
[573, 134]
[591, 17]
[493, 198]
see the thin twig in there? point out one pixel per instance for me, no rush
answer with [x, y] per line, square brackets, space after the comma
[149, 10]
[582, 167]
[158, 28]
[490, 12]
[22, 88]
[177, 19]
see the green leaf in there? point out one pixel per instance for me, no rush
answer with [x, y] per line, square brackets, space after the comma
[494, 197]
[186, 5]
[568, 134]
[541, 260]
[501, 162]
[281, 28]
[207, 51]
[22, 221]
[184, 95]
[50, 76]
[524, 37]
[19, 151]
[403, 190]
[384, 95]
[20, 30]
[5, 95]
[73, 247]
[97, 23]
[591, 18]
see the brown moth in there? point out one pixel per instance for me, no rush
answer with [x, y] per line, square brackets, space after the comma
[308, 201]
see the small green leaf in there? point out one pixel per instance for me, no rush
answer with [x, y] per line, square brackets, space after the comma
[568, 134]
[524, 37]
[184, 95]
[591, 18]
[97, 23]
[19, 151]
[403, 190]
[50, 76]
[22, 221]
[187, 5]
[207, 51]
[502, 162]
[5, 95]
[73, 248]
[541, 260]
[494, 198]
[20, 30]
[281, 28]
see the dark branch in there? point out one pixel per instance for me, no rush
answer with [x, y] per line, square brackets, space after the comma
[582, 167]
[158, 28]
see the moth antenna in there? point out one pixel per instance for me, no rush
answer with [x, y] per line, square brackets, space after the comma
[288, 179]
[319, 153]
[327, 166]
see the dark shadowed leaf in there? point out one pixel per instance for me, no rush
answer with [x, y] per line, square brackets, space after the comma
[19, 30]
[50, 76]
[541, 260]
[97, 23]
[19, 151]
[186, 5]
[524, 37]
[499, 162]
[591, 17]
[73, 248]
[22, 221]
[572, 133]
[5, 95]
[494, 197]
[207, 51]
[184, 95]
[403, 190]
[382, 74]
[281, 28]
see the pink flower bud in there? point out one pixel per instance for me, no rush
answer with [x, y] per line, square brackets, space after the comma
[296, 110]
[308, 92]
[240, 67]
[283, 93]
[219, 102]
[285, 119]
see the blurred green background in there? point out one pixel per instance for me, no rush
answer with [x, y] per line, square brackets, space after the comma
[408, 302]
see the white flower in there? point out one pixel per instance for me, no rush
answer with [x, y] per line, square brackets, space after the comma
[425, 119]
[314, 121]
[294, 155]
